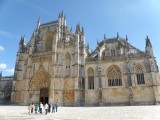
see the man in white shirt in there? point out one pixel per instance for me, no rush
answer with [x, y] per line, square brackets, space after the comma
[46, 108]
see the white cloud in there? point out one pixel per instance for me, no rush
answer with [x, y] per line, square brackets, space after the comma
[3, 66]
[8, 34]
[10, 70]
[1, 48]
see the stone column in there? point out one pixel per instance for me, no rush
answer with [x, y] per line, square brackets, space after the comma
[51, 90]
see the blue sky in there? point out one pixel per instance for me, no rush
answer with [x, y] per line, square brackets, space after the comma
[134, 18]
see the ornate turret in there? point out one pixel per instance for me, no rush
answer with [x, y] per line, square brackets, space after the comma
[78, 29]
[62, 19]
[22, 44]
[148, 48]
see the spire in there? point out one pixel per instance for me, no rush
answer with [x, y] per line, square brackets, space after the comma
[21, 41]
[126, 39]
[117, 35]
[82, 31]
[24, 39]
[78, 28]
[148, 47]
[22, 44]
[148, 43]
[59, 15]
[105, 37]
[62, 15]
[38, 23]
[65, 16]
[97, 42]
[87, 46]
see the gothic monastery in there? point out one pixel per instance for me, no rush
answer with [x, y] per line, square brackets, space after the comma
[56, 65]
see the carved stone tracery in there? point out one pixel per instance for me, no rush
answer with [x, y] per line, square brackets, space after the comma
[40, 79]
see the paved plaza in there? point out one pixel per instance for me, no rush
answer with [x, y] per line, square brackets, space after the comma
[84, 113]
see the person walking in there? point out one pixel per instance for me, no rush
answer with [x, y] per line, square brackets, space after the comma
[53, 107]
[56, 106]
[46, 108]
[40, 107]
[29, 109]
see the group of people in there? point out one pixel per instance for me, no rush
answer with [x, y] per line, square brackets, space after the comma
[37, 108]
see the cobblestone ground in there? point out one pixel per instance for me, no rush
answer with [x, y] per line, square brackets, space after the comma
[84, 113]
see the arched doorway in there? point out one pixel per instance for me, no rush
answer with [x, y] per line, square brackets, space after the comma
[40, 84]
[43, 95]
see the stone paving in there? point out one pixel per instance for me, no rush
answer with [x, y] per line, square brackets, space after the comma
[84, 113]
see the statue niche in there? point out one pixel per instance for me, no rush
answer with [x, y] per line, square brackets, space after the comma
[40, 79]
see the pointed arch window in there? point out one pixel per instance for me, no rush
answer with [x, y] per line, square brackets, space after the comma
[140, 75]
[90, 78]
[113, 52]
[114, 76]
[68, 62]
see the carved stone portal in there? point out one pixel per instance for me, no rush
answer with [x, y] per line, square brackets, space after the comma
[40, 79]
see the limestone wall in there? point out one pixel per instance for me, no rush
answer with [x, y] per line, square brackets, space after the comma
[5, 91]
[20, 94]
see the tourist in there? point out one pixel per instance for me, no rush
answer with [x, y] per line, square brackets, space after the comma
[29, 109]
[46, 108]
[32, 107]
[49, 108]
[40, 107]
[53, 108]
[36, 108]
[56, 106]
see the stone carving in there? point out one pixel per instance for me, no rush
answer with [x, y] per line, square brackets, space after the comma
[69, 95]
[90, 71]
[40, 79]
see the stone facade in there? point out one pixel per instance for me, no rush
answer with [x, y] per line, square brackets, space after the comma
[56, 65]
[6, 89]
